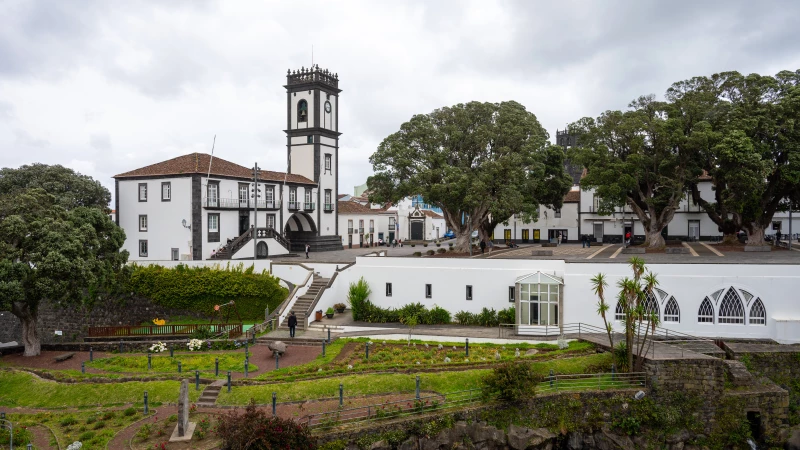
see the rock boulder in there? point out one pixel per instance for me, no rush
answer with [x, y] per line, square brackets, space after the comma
[277, 347]
[521, 438]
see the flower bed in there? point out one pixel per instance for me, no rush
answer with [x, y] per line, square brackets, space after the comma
[163, 363]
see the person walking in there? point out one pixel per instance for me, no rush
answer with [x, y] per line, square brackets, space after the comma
[308, 248]
[483, 246]
[292, 322]
[627, 239]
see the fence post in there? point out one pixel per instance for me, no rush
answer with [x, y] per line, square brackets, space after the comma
[551, 377]
[229, 381]
[417, 387]
[246, 349]
[341, 394]
[216, 367]
[329, 335]
[466, 348]
[246, 364]
[196, 380]
[149, 361]
[120, 345]
[579, 331]
[83, 367]
[366, 348]
[277, 357]
[323, 347]
[180, 369]
[171, 350]
[91, 355]
[274, 403]
[145, 403]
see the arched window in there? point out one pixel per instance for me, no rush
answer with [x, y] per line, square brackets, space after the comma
[706, 312]
[758, 315]
[672, 312]
[731, 309]
[302, 111]
[651, 305]
[619, 314]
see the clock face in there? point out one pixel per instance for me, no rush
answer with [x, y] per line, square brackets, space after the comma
[327, 107]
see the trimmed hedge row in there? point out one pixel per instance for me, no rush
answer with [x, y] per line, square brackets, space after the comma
[200, 288]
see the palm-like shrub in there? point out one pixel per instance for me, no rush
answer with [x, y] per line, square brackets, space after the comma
[357, 297]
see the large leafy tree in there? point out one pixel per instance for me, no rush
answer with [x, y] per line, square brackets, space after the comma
[636, 158]
[51, 252]
[69, 188]
[472, 160]
[750, 147]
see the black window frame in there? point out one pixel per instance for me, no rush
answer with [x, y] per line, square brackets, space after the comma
[175, 254]
[167, 184]
[139, 192]
[309, 139]
[428, 291]
[146, 248]
[213, 236]
[146, 223]
[511, 294]
[469, 292]
[328, 163]
[388, 289]
[305, 116]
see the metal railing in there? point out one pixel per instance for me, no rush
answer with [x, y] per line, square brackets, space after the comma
[328, 206]
[309, 206]
[349, 231]
[592, 381]
[236, 203]
[294, 206]
[232, 329]
[393, 410]
[548, 331]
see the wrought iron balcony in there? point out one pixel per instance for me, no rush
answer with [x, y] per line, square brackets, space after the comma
[371, 229]
[236, 203]
[360, 231]
[294, 206]
[328, 207]
[308, 206]
[391, 227]
[349, 231]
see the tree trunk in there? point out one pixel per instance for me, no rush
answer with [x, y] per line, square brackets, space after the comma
[462, 241]
[654, 239]
[755, 234]
[730, 239]
[28, 319]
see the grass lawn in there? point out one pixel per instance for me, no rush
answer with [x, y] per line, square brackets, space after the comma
[394, 355]
[189, 363]
[93, 428]
[25, 390]
[356, 385]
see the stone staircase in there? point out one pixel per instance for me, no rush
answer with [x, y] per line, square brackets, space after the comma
[305, 302]
[738, 373]
[209, 395]
[299, 239]
[235, 245]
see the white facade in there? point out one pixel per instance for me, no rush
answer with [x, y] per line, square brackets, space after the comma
[490, 280]
[434, 227]
[547, 225]
[361, 229]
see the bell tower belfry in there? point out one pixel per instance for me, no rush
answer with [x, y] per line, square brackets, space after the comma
[312, 140]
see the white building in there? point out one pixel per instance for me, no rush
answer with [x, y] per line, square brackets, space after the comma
[362, 226]
[189, 206]
[548, 225]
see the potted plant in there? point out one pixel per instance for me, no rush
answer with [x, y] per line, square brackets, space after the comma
[339, 307]
[329, 313]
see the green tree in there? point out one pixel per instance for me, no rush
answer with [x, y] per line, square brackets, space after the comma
[635, 158]
[70, 188]
[49, 252]
[472, 160]
[750, 146]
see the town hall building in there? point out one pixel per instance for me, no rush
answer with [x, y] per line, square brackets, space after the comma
[199, 206]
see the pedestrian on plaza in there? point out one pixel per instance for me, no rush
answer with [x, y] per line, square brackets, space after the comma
[491, 246]
[401, 243]
[558, 238]
[394, 243]
[483, 246]
[292, 322]
[628, 238]
[308, 248]
[213, 253]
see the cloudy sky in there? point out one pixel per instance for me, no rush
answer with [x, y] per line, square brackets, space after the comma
[109, 86]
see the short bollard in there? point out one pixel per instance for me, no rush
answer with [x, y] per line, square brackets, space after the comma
[83, 367]
[246, 348]
[179, 367]
[246, 363]
[366, 349]
[417, 387]
[551, 377]
[91, 355]
[145, 404]
[274, 403]
[149, 361]
[196, 380]
[329, 335]
[216, 367]
[466, 348]
[277, 357]
[30, 447]
[323, 347]
[170, 350]
[341, 394]
[229, 381]
[120, 345]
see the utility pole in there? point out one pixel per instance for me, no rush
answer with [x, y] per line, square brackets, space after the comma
[255, 196]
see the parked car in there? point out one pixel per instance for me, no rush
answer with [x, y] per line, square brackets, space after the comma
[450, 235]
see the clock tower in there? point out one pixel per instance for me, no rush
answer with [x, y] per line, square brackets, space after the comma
[312, 140]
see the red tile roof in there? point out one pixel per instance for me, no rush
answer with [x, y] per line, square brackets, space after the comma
[572, 197]
[197, 163]
[432, 214]
[350, 207]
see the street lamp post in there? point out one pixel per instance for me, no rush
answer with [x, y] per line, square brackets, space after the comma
[7, 424]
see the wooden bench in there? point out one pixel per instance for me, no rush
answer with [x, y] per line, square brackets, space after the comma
[64, 357]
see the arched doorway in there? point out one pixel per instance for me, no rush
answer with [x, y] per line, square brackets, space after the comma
[300, 222]
[262, 250]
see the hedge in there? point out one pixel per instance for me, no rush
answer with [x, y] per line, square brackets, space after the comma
[198, 289]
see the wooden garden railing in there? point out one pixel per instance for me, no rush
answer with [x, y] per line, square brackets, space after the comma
[232, 329]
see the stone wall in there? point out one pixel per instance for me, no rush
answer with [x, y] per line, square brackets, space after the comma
[780, 367]
[73, 321]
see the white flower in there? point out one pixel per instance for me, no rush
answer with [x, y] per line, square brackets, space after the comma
[466, 359]
[454, 347]
[158, 348]
[319, 370]
[440, 346]
[447, 359]
[417, 362]
[426, 345]
[195, 344]
[74, 446]
[516, 353]
[349, 366]
[369, 342]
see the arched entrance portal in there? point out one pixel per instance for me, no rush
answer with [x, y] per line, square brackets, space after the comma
[300, 222]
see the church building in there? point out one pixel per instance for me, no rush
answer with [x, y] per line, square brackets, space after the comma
[199, 206]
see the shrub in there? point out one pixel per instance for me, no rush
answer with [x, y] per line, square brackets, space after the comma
[144, 432]
[621, 356]
[200, 288]
[510, 381]
[255, 429]
[22, 437]
[438, 244]
[441, 250]
[466, 318]
[67, 421]
[329, 310]
[339, 306]
[86, 436]
[99, 425]
[430, 252]
[357, 297]
[91, 419]
[203, 333]
[417, 254]
[413, 245]
[108, 415]
[437, 316]
[487, 317]
[508, 315]
[129, 412]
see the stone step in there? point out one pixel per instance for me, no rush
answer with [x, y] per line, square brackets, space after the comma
[209, 395]
[738, 373]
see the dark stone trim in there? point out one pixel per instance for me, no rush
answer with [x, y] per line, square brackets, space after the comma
[299, 132]
[139, 223]
[116, 201]
[214, 236]
[139, 192]
[312, 85]
[288, 110]
[320, 144]
[336, 173]
[169, 183]
[140, 248]
[324, 170]
[197, 219]
[317, 114]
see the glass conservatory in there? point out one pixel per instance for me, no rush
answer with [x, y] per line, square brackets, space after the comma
[538, 300]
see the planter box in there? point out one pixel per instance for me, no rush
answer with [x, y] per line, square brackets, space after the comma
[542, 253]
[757, 248]
[634, 251]
[340, 311]
[329, 316]
[677, 250]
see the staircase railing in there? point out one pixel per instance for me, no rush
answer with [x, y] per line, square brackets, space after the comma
[266, 233]
[273, 320]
